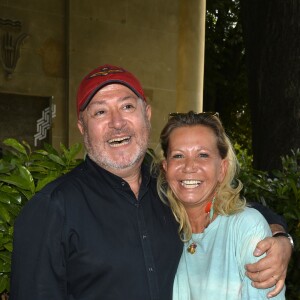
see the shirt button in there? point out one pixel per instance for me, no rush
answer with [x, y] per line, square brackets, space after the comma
[144, 237]
[123, 183]
[150, 269]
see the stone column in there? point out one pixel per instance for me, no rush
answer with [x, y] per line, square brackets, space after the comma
[191, 56]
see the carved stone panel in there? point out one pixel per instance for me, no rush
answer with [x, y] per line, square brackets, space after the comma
[11, 40]
[26, 118]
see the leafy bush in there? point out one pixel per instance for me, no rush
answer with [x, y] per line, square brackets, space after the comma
[23, 172]
[280, 190]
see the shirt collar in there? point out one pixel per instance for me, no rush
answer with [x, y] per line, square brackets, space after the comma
[115, 180]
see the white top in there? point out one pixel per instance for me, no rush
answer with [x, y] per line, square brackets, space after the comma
[216, 270]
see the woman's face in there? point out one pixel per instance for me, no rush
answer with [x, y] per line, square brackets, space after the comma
[193, 166]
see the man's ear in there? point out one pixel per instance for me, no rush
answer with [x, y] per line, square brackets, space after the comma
[80, 126]
[149, 112]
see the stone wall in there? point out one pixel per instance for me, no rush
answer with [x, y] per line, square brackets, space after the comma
[69, 38]
[41, 68]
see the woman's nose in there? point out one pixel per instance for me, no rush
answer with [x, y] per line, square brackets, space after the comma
[190, 165]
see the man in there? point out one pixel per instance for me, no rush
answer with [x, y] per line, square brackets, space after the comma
[100, 231]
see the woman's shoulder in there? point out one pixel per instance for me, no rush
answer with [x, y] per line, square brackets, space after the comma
[250, 212]
[247, 218]
[250, 217]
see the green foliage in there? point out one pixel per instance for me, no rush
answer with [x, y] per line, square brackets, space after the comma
[23, 172]
[280, 190]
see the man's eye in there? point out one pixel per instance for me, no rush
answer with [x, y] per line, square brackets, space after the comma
[129, 107]
[203, 155]
[98, 112]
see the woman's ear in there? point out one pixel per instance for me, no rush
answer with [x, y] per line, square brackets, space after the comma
[223, 170]
[165, 165]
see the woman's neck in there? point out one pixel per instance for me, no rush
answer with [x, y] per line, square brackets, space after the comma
[200, 217]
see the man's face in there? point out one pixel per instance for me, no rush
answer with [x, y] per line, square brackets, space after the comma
[116, 128]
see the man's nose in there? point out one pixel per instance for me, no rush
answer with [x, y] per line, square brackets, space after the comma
[116, 120]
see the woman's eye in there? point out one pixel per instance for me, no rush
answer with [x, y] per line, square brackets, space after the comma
[203, 155]
[177, 156]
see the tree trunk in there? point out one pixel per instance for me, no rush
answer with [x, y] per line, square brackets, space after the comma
[271, 31]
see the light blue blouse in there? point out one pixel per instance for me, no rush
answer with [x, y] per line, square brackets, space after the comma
[216, 270]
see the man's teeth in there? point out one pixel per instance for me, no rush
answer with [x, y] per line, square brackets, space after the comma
[190, 183]
[119, 141]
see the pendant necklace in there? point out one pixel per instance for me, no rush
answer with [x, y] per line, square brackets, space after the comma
[209, 209]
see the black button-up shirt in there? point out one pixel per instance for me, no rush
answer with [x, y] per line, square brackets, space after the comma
[85, 236]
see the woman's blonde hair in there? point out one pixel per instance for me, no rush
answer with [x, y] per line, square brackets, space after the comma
[227, 200]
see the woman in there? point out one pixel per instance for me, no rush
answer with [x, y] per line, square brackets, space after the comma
[220, 233]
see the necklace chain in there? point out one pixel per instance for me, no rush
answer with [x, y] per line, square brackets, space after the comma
[209, 209]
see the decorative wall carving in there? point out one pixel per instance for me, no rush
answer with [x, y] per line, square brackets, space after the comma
[10, 43]
[44, 123]
[26, 117]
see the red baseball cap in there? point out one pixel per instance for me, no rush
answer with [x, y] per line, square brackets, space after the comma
[102, 76]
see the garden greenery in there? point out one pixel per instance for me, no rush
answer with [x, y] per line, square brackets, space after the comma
[279, 190]
[24, 172]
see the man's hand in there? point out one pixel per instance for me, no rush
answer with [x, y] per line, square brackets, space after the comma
[270, 270]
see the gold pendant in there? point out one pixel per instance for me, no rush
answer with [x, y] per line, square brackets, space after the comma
[192, 248]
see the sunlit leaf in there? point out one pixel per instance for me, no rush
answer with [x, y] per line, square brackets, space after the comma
[5, 167]
[3, 282]
[57, 159]
[9, 246]
[4, 214]
[16, 145]
[5, 256]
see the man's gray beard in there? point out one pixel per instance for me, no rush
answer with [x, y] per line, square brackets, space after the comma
[107, 163]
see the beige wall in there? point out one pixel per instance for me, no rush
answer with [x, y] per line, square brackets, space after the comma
[138, 35]
[69, 38]
[41, 68]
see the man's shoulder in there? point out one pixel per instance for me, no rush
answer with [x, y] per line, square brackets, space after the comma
[67, 185]
[63, 182]
[55, 191]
